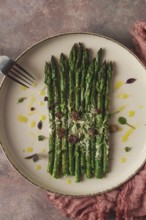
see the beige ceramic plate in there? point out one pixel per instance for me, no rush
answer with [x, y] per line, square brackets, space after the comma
[19, 139]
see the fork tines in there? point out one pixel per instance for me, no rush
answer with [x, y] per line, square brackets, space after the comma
[20, 75]
[17, 73]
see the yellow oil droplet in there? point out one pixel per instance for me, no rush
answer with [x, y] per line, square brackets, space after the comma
[41, 103]
[38, 167]
[42, 93]
[121, 108]
[32, 100]
[125, 96]
[120, 129]
[68, 181]
[119, 95]
[31, 113]
[118, 84]
[42, 117]
[43, 150]
[34, 84]
[23, 88]
[131, 113]
[127, 134]
[33, 124]
[29, 149]
[141, 106]
[123, 160]
[22, 118]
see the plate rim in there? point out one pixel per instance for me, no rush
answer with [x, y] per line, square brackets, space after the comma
[7, 154]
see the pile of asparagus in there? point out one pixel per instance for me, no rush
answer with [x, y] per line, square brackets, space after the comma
[78, 102]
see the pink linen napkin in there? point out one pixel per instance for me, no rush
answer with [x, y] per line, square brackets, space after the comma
[128, 202]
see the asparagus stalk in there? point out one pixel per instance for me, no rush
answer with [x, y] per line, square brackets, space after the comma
[71, 105]
[94, 104]
[83, 159]
[95, 77]
[77, 109]
[88, 159]
[100, 86]
[85, 63]
[51, 152]
[72, 66]
[106, 149]
[77, 164]
[50, 91]
[89, 80]
[64, 110]
[57, 99]
[98, 60]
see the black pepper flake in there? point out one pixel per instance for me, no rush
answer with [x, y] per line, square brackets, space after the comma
[75, 115]
[113, 128]
[99, 111]
[46, 98]
[51, 105]
[92, 132]
[58, 115]
[34, 157]
[40, 125]
[61, 132]
[32, 108]
[73, 139]
[130, 80]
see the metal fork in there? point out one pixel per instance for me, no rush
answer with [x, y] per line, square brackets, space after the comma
[14, 71]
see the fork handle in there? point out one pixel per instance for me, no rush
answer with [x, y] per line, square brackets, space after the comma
[5, 64]
[3, 61]
[1, 77]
